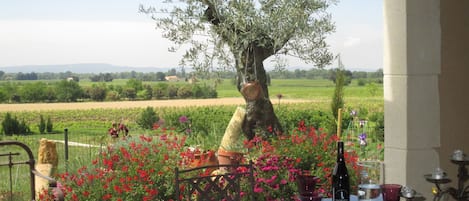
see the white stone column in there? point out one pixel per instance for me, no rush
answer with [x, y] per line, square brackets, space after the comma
[411, 68]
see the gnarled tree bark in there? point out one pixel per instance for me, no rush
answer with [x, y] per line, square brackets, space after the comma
[260, 115]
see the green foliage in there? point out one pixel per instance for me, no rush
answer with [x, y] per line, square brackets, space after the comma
[378, 119]
[361, 82]
[172, 91]
[197, 91]
[112, 96]
[68, 91]
[129, 93]
[346, 76]
[184, 91]
[231, 27]
[3, 95]
[137, 85]
[147, 92]
[160, 90]
[42, 124]
[11, 125]
[338, 96]
[372, 88]
[314, 117]
[147, 118]
[204, 120]
[34, 92]
[49, 125]
[97, 92]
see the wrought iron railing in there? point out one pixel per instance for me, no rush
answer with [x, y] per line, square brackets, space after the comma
[32, 171]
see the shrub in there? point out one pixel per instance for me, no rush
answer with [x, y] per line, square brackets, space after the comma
[112, 96]
[147, 118]
[172, 91]
[184, 91]
[129, 93]
[197, 91]
[378, 118]
[42, 124]
[361, 82]
[209, 92]
[160, 90]
[140, 168]
[148, 92]
[49, 125]
[11, 125]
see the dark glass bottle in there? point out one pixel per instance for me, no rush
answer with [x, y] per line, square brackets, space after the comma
[340, 178]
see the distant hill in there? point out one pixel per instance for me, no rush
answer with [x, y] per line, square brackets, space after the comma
[97, 68]
[80, 68]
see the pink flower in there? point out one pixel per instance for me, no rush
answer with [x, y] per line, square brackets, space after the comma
[258, 189]
[183, 119]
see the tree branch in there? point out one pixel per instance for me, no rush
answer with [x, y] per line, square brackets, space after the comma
[211, 13]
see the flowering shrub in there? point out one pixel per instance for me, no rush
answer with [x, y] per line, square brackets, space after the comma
[274, 173]
[143, 168]
[306, 151]
[275, 178]
[137, 169]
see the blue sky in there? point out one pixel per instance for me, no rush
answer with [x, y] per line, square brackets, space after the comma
[113, 31]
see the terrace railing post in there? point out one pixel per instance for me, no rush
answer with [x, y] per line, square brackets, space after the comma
[66, 148]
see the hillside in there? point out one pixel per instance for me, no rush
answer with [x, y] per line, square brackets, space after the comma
[79, 68]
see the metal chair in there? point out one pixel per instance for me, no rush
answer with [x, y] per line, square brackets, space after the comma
[224, 183]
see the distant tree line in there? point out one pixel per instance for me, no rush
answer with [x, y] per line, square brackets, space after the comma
[64, 87]
[313, 73]
[68, 90]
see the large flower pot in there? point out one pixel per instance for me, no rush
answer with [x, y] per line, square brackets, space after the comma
[307, 187]
[229, 157]
[203, 159]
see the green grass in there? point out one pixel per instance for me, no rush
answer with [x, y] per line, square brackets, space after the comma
[302, 89]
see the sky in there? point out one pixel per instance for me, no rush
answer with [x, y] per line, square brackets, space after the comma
[50, 32]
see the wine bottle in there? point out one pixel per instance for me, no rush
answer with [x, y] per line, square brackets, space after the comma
[340, 178]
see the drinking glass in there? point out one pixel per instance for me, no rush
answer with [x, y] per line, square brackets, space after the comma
[369, 188]
[391, 192]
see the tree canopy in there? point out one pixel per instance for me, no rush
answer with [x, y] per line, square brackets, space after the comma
[215, 33]
[242, 34]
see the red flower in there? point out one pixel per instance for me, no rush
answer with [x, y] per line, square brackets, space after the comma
[107, 197]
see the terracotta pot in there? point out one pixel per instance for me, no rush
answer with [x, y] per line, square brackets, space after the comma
[204, 159]
[229, 157]
[307, 187]
[251, 90]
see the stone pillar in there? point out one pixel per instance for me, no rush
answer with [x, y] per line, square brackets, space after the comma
[454, 94]
[411, 69]
[46, 164]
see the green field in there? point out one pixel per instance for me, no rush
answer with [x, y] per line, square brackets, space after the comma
[304, 89]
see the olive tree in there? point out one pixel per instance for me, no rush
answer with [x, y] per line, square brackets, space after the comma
[242, 34]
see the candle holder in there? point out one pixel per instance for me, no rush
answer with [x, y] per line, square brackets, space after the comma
[408, 193]
[438, 177]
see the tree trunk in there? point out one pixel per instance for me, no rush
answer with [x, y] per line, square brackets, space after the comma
[260, 116]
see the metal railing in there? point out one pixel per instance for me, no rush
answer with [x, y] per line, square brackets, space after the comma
[32, 171]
